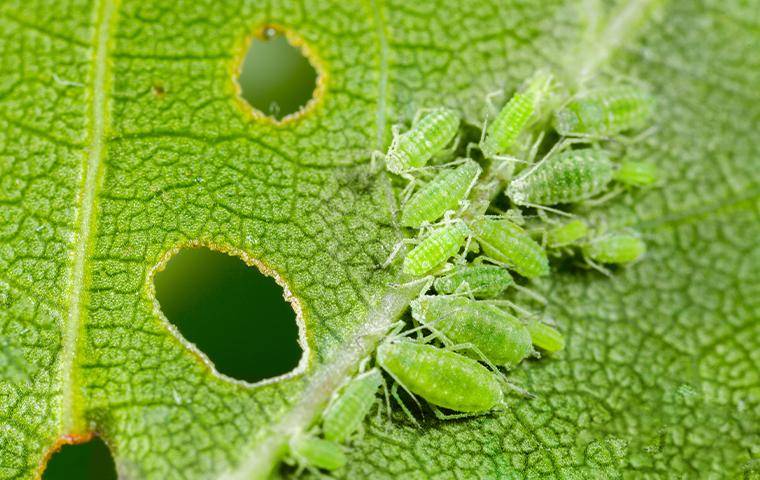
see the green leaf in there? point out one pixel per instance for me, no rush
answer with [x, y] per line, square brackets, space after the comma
[100, 178]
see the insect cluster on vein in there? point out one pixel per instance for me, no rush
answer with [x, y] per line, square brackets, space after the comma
[475, 255]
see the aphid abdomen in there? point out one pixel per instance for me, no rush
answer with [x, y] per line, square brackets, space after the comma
[442, 194]
[515, 116]
[348, 411]
[628, 108]
[428, 136]
[615, 248]
[636, 174]
[436, 248]
[566, 234]
[605, 112]
[505, 242]
[317, 452]
[441, 377]
[546, 337]
[498, 336]
[508, 124]
[482, 281]
[570, 176]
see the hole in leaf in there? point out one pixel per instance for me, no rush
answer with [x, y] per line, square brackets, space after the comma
[232, 312]
[89, 460]
[276, 77]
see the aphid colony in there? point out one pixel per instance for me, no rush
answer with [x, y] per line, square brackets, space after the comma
[476, 248]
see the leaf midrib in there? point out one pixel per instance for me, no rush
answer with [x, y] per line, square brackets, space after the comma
[98, 119]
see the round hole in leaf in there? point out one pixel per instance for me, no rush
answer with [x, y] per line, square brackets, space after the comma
[89, 460]
[276, 78]
[232, 312]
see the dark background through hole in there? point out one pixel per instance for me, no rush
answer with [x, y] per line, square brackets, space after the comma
[234, 314]
[85, 461]
[276, 78]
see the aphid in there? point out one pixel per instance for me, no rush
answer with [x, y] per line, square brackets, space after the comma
[347, 411]
[427, 137]
[310, 451]
[545, 336]
[496, 335]
[636, 174]
[512, 119]
[481, 281]
[505, 242]
[442, 377]
[436, 248]
[443, 193]
[566, 234]
[569, 176]
[615, 248]
[605, 112]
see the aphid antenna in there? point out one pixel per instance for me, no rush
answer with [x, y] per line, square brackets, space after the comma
[556, 148]
[396, 250]
[513, 306]
[534, 295]
[489, 101]
[543, 208]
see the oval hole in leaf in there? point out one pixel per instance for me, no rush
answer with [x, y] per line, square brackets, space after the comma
[232, 312]
[276, 78]
[89, 460]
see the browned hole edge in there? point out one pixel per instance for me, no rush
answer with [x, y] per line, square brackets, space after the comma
[251, 262]
[67, 439]
[320, 89]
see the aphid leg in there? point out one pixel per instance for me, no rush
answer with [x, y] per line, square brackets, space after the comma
[396, 250]
[373, 159]
[597, 267]
[451, 150]
[594, 202]
[517, 389]
[395, 395]
[454, 416]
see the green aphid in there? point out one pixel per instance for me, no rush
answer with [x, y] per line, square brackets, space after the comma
[444, 193]
[546, 337]
[515, 116]
[481, 281]
[636, 174]
[310, 451]
[566, 234]
[565, 177]
[605, 112]
[441, 377]
[427, 136]
[615, 248]
[506, 243]
[433, 251]
[496, 335]
[347, 410]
